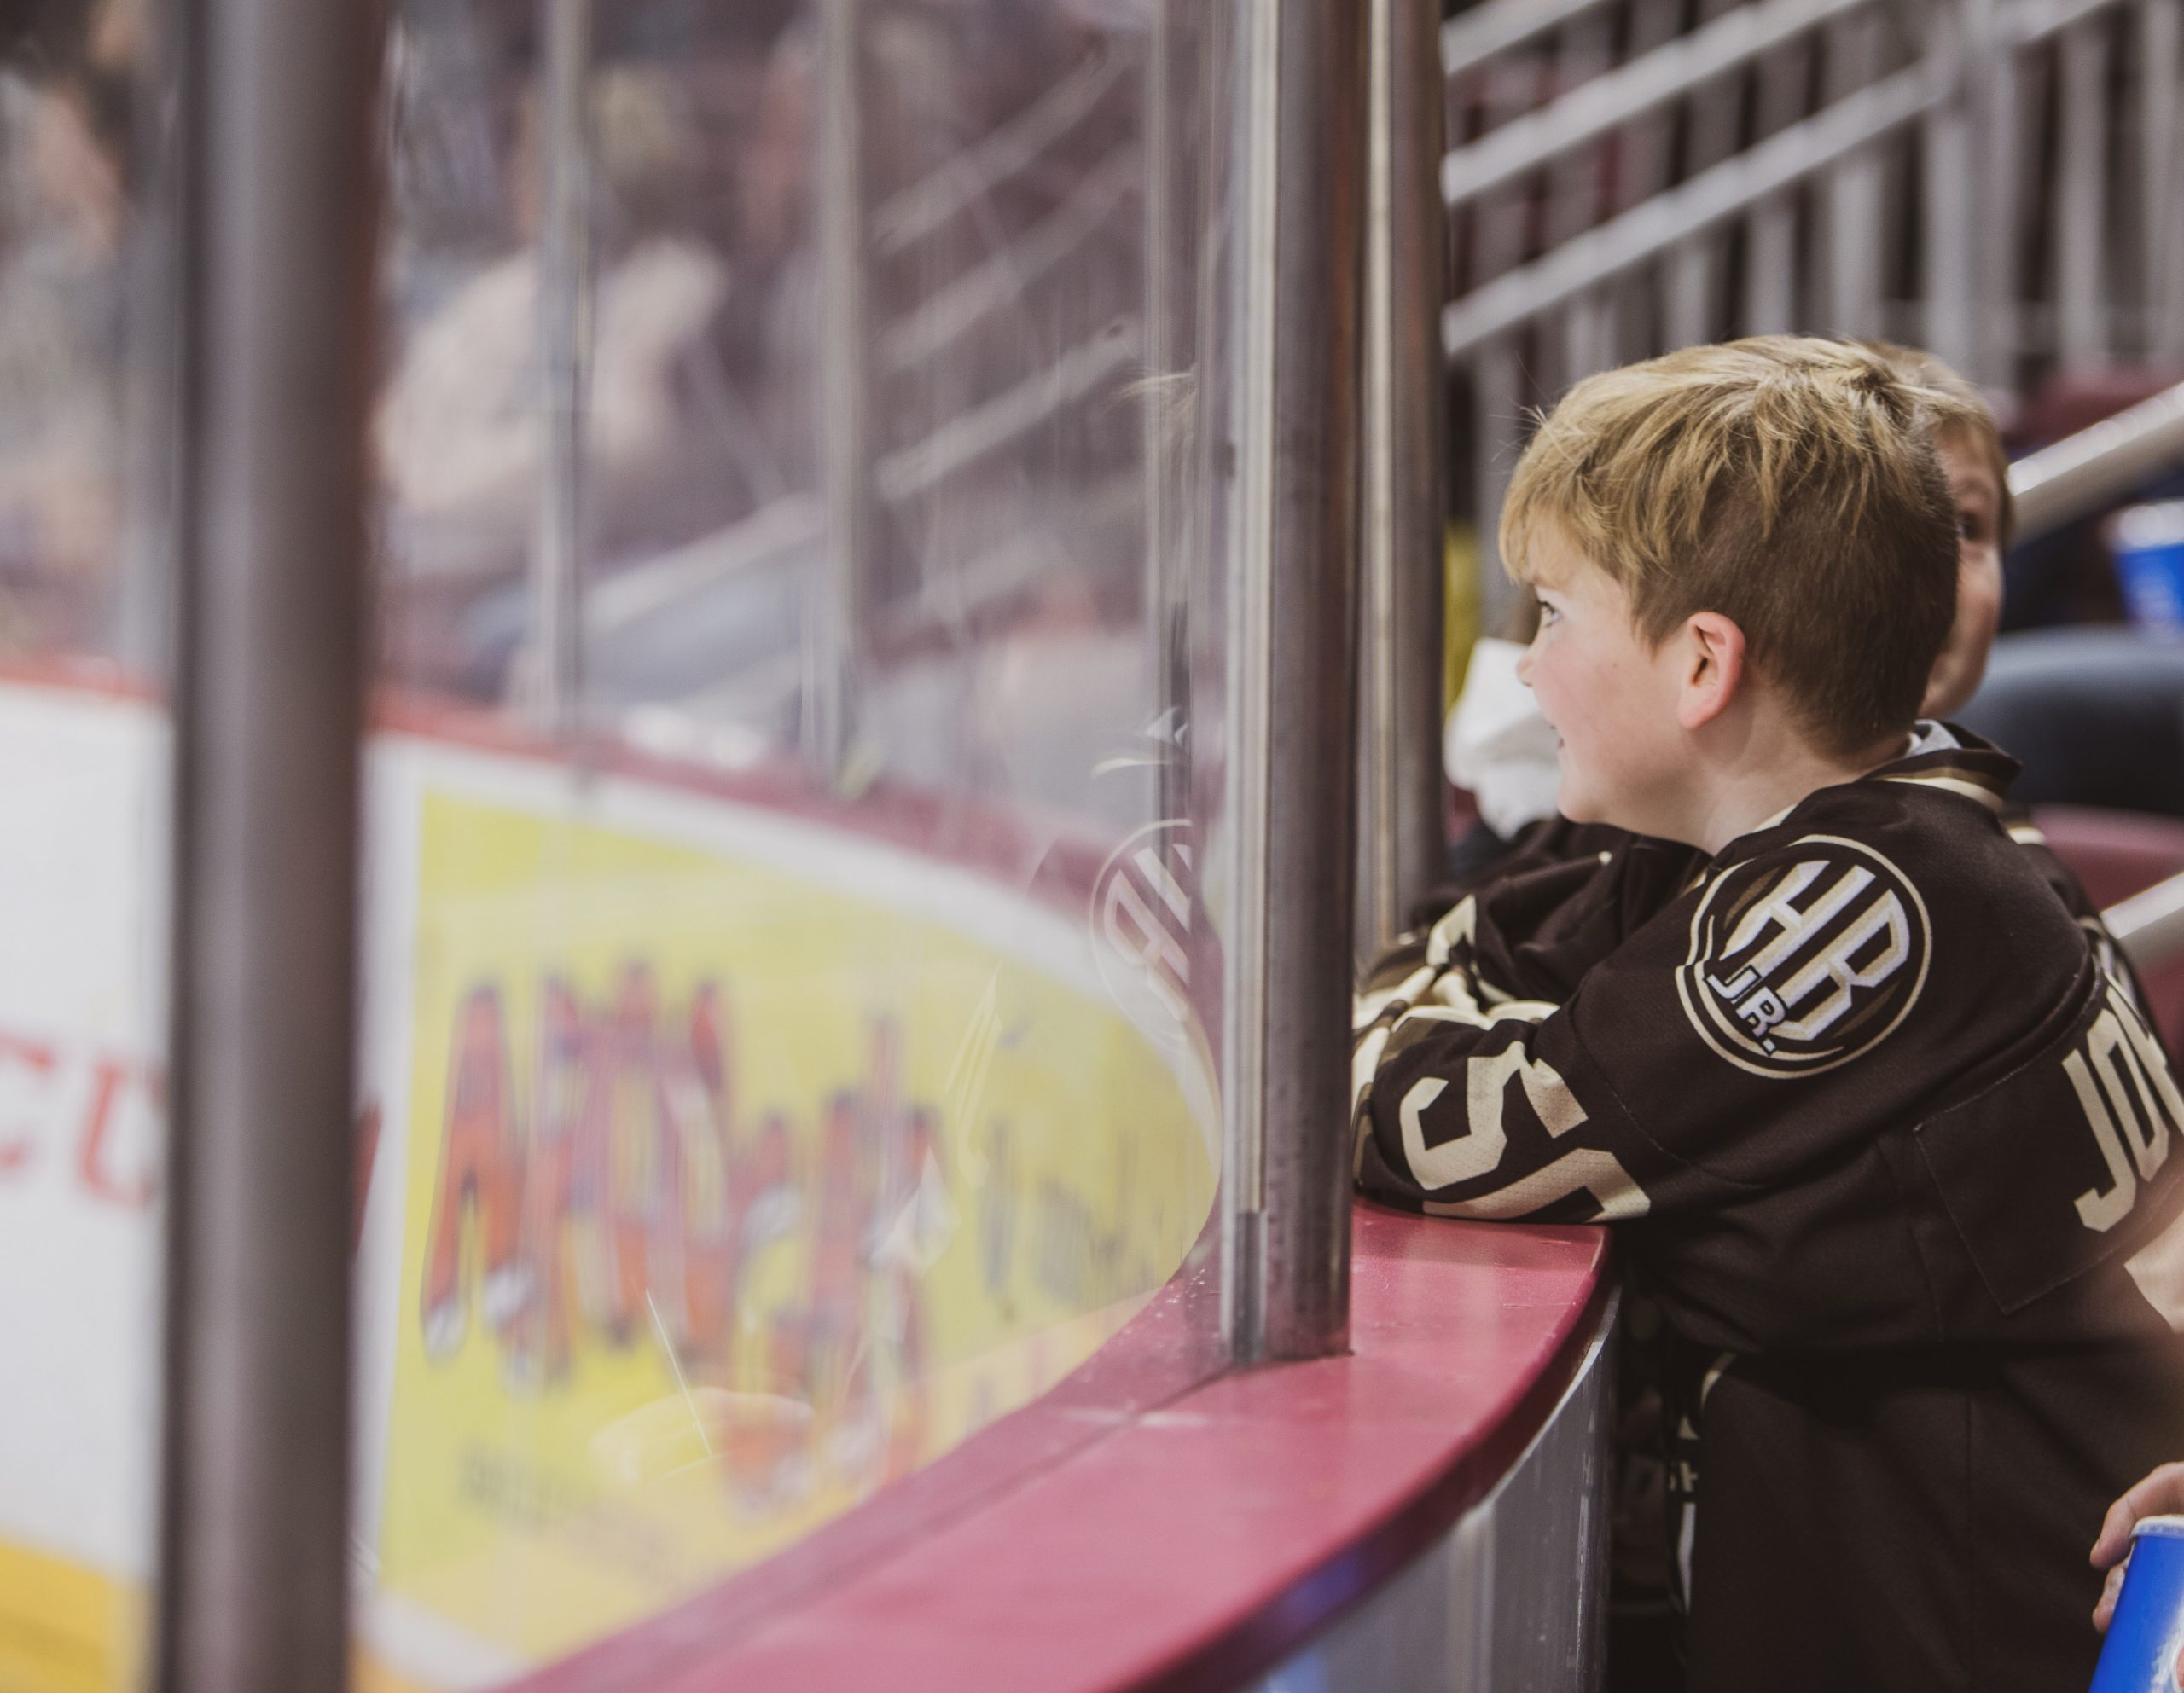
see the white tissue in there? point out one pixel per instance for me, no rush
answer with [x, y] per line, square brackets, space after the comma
[1497, 746]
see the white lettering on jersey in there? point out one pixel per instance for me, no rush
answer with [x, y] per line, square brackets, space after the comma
[1458, 927]
[2132, 1121]
[1762, 1008]
[1807, 945]
[1793, 922]
[1479, 1152]
[1884, 915]
[1456, 1159]
[1487, 1081]
[2099, 1211]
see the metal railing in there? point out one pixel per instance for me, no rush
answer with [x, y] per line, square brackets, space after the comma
[2084, 471]
[1477, 35]
[1753, 169]
[2078, 475]
[1674, 216]
[2149, 926]
[1636, 89]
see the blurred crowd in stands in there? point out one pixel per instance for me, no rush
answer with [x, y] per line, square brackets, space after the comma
[1000, 197]
[1002, 359]
[67, 79]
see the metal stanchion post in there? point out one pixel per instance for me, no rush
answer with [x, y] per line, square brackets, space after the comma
[1291, 689]
[565, 288]
[837, 605]
[1402, 838]
[276, 232]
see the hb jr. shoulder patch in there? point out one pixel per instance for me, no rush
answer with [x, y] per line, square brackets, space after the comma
[1805, 958]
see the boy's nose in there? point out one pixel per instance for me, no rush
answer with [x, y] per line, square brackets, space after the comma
[1524, 666]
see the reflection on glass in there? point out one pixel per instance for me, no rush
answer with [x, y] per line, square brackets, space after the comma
[64, 124]
[763, 1113]
[82, 870]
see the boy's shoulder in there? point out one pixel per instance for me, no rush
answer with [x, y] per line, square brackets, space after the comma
[1890, 924]
[1934, 830]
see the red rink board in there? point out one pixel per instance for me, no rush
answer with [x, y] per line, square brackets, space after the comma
[1188, 1543]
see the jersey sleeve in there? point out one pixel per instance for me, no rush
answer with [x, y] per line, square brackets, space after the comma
[1438, 1048]
[1737, 1038]
[2114, 963]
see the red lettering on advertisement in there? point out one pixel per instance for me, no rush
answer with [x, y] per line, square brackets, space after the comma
[479, 1168]
[39, 1058]
[132, 1188]
[631, 1203]
[118, 1137]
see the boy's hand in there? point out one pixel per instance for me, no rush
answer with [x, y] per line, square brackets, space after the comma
[2160, 1493]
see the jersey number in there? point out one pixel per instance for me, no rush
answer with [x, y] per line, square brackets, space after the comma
[1479, 1153]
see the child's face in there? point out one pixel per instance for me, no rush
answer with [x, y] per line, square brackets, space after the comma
[1609, 697]
[1963, 658]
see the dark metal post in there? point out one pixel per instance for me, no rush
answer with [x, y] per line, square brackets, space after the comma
[278, 228]
[1402, 838]
[1292, 687]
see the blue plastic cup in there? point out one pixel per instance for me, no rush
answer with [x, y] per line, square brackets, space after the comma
[2146, 1638]
[2147, 542]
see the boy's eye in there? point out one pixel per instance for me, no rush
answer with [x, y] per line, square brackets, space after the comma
[1548, 614]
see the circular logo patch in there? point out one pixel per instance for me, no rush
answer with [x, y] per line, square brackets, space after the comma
[1806, 958]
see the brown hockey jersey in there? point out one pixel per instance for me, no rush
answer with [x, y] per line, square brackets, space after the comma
[1891, 1151]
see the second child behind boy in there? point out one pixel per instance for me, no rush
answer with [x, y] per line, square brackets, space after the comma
[1878, 1133]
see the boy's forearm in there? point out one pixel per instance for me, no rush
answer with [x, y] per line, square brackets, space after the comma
[1428, 1023]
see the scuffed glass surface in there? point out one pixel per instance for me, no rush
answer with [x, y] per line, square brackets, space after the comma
[785, 1045]
[83, 861]
[65, 226]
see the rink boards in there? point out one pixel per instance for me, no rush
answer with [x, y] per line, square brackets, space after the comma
[721, 1165]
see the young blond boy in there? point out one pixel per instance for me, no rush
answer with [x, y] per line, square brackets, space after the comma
[1880, 1136]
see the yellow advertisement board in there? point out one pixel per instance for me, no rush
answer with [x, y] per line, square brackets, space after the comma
[64, 1628]
[732, 1194]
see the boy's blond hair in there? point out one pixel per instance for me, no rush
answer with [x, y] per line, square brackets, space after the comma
[1789, 484]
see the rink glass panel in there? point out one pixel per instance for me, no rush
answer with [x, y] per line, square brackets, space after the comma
[787, 1047]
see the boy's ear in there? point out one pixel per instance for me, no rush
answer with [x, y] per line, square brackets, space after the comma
[1713, 668]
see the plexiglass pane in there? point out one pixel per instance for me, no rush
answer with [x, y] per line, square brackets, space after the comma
[83, 862]
[782, 1023]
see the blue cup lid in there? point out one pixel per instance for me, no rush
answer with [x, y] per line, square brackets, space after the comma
[2170, 1527]
[2148, 528]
